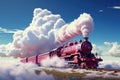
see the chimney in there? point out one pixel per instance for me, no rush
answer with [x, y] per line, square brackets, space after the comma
[85, 38]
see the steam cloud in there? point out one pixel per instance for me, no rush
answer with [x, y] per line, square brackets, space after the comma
[46, 31]
[81, 26]
[54, 62]
[13, 70]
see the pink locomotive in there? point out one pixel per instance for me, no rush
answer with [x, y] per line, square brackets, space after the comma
[77, 53]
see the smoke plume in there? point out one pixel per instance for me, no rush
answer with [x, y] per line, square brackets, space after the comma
[46, 31]
[81, 26]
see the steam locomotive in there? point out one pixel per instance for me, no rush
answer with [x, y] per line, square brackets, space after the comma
[76, 53]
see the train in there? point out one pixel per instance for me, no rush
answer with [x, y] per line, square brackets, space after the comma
[77, 53]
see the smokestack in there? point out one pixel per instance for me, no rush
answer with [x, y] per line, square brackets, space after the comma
[85, 38]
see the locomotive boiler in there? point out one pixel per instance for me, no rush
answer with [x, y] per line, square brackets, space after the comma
[76, 53]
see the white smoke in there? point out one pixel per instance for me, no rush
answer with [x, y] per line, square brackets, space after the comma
[54, 62]
[81, 26]
[47, 31]
[14, 70]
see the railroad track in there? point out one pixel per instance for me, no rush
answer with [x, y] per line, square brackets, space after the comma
[96, 69]
[103, 69]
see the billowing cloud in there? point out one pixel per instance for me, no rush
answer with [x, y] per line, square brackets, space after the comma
[97, 49]
[47, 31]
[107, 43]
[4, 30]
[81, 26]
[4, 49]
[114, 49]
[14, 70]
[54, 62]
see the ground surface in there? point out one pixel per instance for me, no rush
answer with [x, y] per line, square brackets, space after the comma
[79, 74]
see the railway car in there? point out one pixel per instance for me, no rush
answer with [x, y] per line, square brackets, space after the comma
[76, 53]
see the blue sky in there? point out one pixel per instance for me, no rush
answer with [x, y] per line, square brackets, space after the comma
[18, 14]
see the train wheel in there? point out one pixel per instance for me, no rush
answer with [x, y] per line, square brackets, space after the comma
[83, 66]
